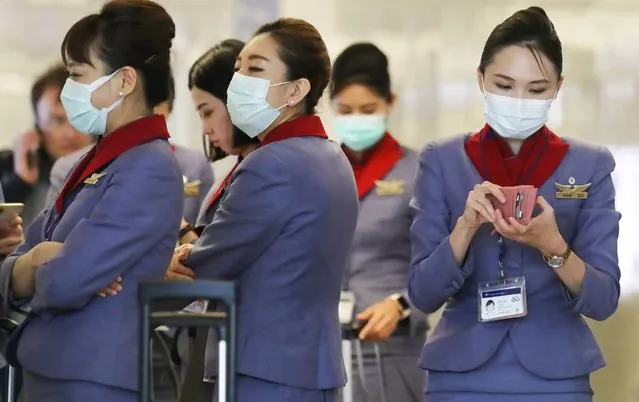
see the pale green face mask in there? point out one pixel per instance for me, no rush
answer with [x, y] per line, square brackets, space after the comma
[360, 131]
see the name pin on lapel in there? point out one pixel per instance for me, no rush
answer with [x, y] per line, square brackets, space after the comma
[94, 178]
[572, 190]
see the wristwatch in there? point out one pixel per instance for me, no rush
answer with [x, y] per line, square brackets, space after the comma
[186, 229]
[558, 261]
[402, 303]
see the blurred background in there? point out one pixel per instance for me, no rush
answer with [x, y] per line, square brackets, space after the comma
[434, 48]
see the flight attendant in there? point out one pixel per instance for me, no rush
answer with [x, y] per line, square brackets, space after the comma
[284, 228]
[209, 80]
[75, 346]
[531, 343]
[196, 170]
[362, 100]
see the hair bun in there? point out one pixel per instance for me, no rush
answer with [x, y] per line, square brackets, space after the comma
[538, 10]
[142, 17]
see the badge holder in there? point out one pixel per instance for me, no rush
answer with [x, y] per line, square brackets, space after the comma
[504, 299]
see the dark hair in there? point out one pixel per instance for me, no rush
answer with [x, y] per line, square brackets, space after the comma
[304, 52]
[171, 99]
[136, 33]
[530, 28]
[365, 64]
[212, 73]
[54, 77]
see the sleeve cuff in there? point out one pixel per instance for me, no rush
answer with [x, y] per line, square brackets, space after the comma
[596, 300]
[6, 270]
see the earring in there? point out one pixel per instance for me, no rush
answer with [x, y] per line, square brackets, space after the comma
[291, 103]
[120, 94]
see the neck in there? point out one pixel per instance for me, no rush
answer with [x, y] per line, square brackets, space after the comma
[358, 156]
[124, 117]
[248, 149]
[515, 145]
[284, 117]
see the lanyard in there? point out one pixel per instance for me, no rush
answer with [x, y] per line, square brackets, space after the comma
[501, 275]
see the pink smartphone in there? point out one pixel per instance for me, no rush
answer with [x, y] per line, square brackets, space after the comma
[520, 203]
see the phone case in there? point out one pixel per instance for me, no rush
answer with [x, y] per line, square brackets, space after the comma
[520, 203]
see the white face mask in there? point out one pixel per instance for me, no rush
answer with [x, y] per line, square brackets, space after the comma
[247, 104]
[76, 99]
[515, 118]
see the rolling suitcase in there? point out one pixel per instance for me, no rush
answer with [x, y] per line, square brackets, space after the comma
[8, 324]
[158, 296]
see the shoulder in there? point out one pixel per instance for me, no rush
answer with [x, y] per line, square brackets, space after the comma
[596, 158]
[268, 160]
[154, 158]
[446, 150]
[189, 155]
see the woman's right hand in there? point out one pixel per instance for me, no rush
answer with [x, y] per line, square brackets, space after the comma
[479, 209]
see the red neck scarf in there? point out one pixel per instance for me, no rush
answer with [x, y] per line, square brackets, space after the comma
[375, 164]
[305, 126]
[225, 183]
[110, 147]
[539, 157]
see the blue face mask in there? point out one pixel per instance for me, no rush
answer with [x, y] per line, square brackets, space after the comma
[76, 99]
[247, 104]
[360, 131]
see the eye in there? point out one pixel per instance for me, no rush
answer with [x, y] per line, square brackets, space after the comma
[256, 69]
[538, 91]
[503, 87]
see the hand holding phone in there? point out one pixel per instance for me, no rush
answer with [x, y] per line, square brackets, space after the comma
[10, 211]
[520, 203]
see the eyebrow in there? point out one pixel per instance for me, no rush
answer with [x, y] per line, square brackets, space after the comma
[507, 78]
[364, 106]
[258, 57]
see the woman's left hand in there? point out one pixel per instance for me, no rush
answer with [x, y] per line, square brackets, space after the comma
[541, 232]
[381, 320]
[178, 271]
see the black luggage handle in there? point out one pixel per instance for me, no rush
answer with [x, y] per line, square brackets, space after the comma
[169, 294]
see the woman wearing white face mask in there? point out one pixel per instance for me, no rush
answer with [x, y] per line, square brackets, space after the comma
[477, 242]
[284, 227]
[379, 261]
[117, 215]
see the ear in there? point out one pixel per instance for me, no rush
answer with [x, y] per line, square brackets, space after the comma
[560, 83]
[298, 92]
[129, 80]
[480, 80]
[393, 100]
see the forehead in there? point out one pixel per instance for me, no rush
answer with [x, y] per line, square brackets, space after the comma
[358, 94]
[202, 96]
[521, 63]
[261, 46]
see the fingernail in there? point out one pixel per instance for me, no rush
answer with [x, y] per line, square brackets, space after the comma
[101, 294]
[119, 279]
[118, 288]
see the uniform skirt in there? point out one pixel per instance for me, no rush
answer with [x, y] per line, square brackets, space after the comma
[504, 379]
[41, 389]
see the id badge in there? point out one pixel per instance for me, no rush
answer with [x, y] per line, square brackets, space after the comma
[198, 306]
[502, 300]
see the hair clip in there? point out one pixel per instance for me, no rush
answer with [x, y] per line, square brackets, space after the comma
[149, 59]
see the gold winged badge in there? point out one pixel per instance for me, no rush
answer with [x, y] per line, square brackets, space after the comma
[572, 191]
[94, 178]
[191, 189]
[389, 187]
